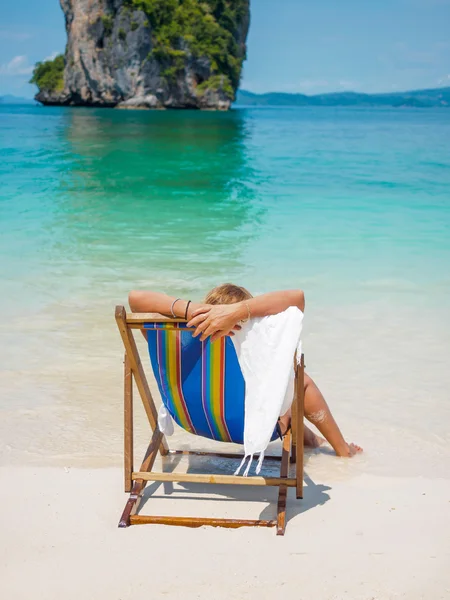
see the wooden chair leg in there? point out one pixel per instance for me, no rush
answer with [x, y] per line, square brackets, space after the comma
[294, 424]
[199, 521]
[282, 490]
[132, 504]
[128, 424]
[137, 490]
[300, 411]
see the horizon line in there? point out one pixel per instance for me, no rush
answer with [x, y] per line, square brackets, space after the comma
[349, 91]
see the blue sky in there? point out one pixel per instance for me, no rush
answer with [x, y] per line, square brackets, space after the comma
[308, 46]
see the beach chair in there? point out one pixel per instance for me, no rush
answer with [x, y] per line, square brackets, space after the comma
[202, 387]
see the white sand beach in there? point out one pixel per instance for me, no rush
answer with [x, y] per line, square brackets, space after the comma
[375, 527]
[363, 539]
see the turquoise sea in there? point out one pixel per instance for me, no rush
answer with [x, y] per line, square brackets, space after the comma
[352, 205]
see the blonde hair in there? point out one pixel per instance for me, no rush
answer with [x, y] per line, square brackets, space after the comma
[227, 293]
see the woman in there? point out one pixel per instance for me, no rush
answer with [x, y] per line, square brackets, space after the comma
[224, 308]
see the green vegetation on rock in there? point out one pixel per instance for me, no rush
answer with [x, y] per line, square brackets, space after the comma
[202, 29]
[49, 75]
[108, 23]
[215, 83]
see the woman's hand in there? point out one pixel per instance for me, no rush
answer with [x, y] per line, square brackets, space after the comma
[216, 320]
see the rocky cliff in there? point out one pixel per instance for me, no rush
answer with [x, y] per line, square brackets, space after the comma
[152, 53]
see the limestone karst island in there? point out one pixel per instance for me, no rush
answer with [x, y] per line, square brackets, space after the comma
[147, 54]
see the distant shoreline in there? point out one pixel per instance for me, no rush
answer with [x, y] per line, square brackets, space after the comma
[428, 98]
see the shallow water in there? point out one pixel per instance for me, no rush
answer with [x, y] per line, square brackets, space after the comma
[351, 205]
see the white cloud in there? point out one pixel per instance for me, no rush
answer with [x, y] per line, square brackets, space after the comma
[17, 66]
[52, 56]
[444, 80]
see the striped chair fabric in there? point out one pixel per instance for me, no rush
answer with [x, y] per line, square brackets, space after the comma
[201, 383]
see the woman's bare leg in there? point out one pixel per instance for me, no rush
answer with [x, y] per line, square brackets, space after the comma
[310, 439]
[318, 413]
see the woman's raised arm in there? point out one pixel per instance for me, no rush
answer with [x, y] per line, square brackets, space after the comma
[273, 303]
[146, 301]
[221, 319]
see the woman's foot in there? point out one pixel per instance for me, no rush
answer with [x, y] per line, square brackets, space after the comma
[349, 450]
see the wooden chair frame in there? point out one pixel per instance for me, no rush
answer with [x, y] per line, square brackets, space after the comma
[135, 481]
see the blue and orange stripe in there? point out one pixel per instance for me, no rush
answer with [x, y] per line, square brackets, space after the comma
[169, 363]
[213, 388]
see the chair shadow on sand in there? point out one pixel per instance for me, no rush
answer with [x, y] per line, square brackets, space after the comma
[313, 494]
